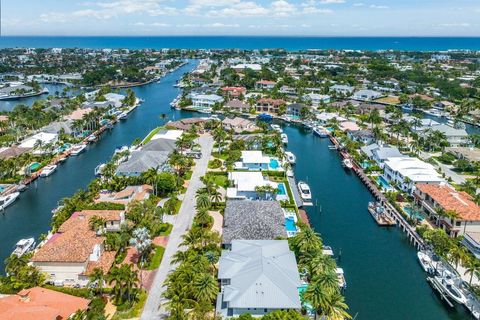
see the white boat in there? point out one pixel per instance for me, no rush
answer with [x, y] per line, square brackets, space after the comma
[76, 150]
[448, 285]
[121, 149]
[290, 157]
[48, 170]
[304, 190]
[22, 187]
[24, 246]
[284, 138]
[320, 132]
[425, 261]
[327, 251]
[277, 128]
[91, 138]
[342, 283]
[99, 169]
[122, 116]
[433, 112]
[7, 200]
[347, 163]
[62, 160]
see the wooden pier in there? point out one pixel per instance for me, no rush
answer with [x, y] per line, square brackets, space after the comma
[390, 210]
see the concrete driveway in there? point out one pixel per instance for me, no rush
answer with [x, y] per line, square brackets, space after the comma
[154, 308]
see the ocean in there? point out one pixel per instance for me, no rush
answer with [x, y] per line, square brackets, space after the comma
[245, 42]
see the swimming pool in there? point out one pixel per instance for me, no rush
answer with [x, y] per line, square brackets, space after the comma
[281, 189]
[274, 164]
[413, 213]
[290, 225]
[384, 184]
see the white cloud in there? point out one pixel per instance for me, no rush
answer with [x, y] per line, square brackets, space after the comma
[374, 6]
[242, 9]
[314, 10]
[454, 25]
[54, 17]
[282, 8]
[359, 4]
[221, 25]
[331, 1]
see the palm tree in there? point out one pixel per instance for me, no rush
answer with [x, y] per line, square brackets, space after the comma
[125, 280]
[328, 280]
[307, 240]
[215, 196]
[97, 278]
[457, 254]
[203, 217]
[203, 201]
[96, 223]
[472, 268]
[335, 308]
[317, 296]
[14, 263]
[205, 288]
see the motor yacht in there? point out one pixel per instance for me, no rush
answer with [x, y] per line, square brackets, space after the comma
[76, 150]
[290, 157]
[426, 262]
[48, 170]
[304, 190]
[24, 246]
[347, 163]
[7, 200]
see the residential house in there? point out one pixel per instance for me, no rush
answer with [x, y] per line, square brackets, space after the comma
[252, 220]
[233, 92]
[265, 85]
[42, 137]
[406, 172]
[70, 255]
[239, 125]
[438, 198]
[253, 160]
[39, 303]
[187, 123]
[57, 127]
[141, 161]
[206, 100]
[316, 99]
[380, 153]
[245, 184]
[342, 89]
[237, 106]
[11, 152]
[455, 137]
[257, 277]
[366, 95]
[295, 109]
[364, 136]
[269, 105]
[125, 196]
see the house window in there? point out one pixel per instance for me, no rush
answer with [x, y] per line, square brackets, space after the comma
[458, 223]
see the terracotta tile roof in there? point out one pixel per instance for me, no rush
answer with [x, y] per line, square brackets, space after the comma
[74, 241]
[125, 193]
[40, 303]
[450, 199]
[105, 263]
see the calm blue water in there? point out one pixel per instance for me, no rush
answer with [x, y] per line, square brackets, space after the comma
[246, 42]
[290, 225]
[385, 280]
[281, 189]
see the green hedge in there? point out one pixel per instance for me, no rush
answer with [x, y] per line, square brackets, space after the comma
[106, 206]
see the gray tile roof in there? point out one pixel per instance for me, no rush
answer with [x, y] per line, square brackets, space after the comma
[262, 273]
[141, 161]
[383, 153]
[253, 220]
[160, 145]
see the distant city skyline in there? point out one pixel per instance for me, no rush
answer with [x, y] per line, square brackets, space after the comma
[242, 17]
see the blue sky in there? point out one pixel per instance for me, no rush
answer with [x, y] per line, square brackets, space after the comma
[242, 17]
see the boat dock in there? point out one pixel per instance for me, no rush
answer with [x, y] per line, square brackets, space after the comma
[434, 284]
[390, 210]
[296, 196]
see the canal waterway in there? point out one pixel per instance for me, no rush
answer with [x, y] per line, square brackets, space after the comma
[30, 215]
[384, 279]
[383, 276]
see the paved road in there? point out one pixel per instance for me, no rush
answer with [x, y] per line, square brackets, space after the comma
[153, 307]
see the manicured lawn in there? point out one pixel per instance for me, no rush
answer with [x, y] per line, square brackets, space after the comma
[134, 311]
[219, 179]
[150, 135]
[156, 259]
[168, 231]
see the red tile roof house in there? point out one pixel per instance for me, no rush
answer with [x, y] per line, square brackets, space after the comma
[233, 92]
[265, 85]
[433, 197]
[40, 304]
[269, 105]
[71, 254]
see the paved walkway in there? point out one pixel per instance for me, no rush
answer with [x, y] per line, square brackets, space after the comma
[154, 308]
